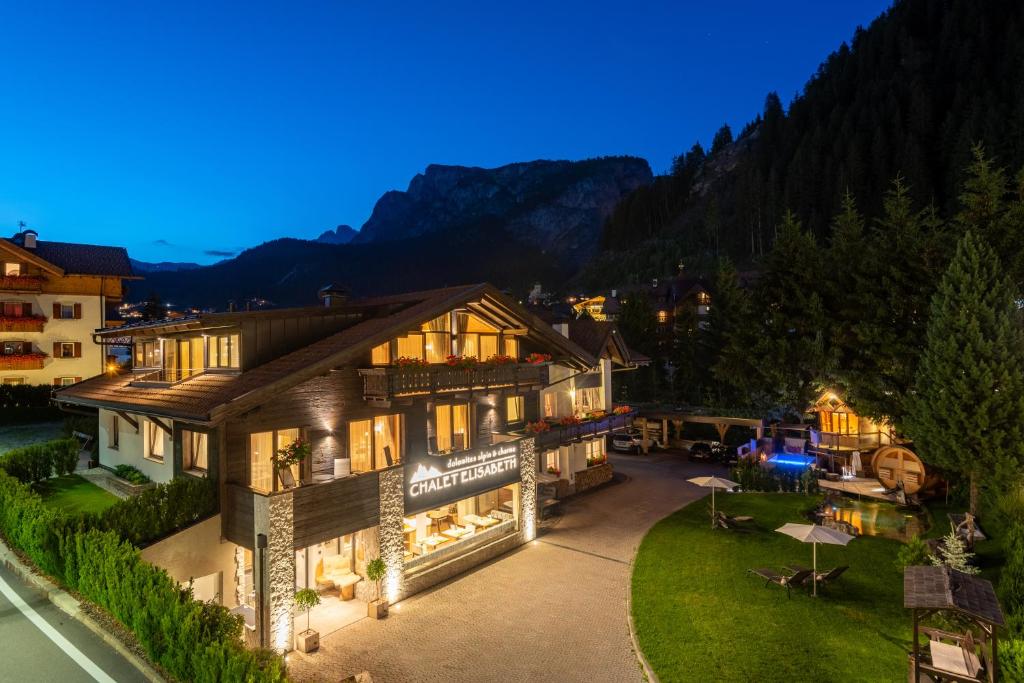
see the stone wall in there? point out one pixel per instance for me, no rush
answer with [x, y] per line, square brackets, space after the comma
[593, 476]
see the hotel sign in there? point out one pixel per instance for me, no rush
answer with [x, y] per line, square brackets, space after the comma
[434, 481]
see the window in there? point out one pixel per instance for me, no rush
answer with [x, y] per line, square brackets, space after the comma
[703, 298]
[594, 449]
[147, 354]
[551, 462]
[14, 348]
[476, 337]
[588, 400]
[154, 441]
[13, 381]
[550, 404]
[15, 309]
[193, 451]
[67, 311]
[65, 381]
[451, 424]
[12, 269]
[437, 338]
[114, 432]
[662, 316]
[514, 409]
[66, 350]
[262, 446]
[223, 351]
[512, 347]
[410, 346]
[381, 354]
[375, 443]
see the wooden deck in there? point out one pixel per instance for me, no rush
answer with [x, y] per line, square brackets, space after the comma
[868, 488]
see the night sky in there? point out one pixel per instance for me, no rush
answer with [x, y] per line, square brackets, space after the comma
[192, 130]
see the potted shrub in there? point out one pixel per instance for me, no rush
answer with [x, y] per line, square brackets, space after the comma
[308, 640]
[376, 570]
[292, 454]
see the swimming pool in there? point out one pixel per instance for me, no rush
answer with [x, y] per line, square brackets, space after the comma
[874, 518]
[791, 460]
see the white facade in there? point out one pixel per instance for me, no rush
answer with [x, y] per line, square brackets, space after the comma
[130, 447]
[91, 361]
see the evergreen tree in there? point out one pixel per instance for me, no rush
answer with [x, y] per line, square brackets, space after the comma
[995, 212]
[722, 139]
[969, 393]
[728, 318]
[954, 554]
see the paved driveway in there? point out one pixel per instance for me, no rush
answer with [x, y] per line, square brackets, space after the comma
[553, 610]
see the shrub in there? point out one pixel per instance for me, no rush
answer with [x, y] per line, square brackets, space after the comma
[131, 474]
[913, 553]
[159, 511]
[1011, 660]
[193, 641]
[41, 461]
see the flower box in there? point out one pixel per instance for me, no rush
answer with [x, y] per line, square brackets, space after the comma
[538, 358]
[24, 323]
[23, 361]
[21, 283]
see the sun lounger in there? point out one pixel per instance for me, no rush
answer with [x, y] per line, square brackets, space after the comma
[726, 522]
[787, 581]
[823, 577]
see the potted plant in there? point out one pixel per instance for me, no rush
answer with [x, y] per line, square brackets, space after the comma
[538, 427]
[538, 358]
[292, 454]
[376, 570]
[309, 640]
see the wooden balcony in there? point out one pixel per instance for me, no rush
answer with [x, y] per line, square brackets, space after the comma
[21, 283]
[320, 511]
[564, 434]
[25, 323]
[22, 361]
[381, 385]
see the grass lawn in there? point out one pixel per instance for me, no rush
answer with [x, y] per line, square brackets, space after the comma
[13, 436]
[74, 494]
[700, 616]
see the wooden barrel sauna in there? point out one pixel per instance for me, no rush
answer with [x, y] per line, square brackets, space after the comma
[895, 464]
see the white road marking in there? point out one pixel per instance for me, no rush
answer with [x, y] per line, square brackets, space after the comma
[50, 632]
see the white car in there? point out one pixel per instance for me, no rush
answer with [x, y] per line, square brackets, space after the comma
[631, 441]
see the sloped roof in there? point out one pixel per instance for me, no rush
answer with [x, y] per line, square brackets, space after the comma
[78, 259]
[211, 397]
[600, 339]
[944, 588]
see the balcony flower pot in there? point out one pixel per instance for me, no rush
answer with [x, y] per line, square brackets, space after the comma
[307, 641]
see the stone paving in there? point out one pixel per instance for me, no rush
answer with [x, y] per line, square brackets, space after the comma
[553, 610]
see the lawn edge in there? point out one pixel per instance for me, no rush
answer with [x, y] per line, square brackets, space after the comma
[71, 606]
[640, 656]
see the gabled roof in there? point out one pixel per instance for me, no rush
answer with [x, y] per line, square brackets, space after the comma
[212, 397]
[66, 258]
[600, 339]
[942, 588]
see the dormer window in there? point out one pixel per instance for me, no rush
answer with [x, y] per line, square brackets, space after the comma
[12, 269]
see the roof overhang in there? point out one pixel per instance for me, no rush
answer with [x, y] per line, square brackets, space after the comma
[27, 255]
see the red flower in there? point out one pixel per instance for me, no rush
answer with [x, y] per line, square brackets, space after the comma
[538, 358]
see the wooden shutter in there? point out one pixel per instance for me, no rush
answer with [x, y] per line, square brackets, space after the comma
[56, 310]
[77, 380]
[78, 347]
[78, 311]
[56, 347]
[26, 309]
[56, 381]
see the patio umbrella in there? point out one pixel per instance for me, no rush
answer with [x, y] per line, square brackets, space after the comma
[812, 533]
[713, 483]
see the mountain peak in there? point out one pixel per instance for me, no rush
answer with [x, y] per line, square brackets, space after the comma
[343, 234]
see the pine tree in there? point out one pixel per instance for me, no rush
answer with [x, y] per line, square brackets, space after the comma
[954, 554]
[722, 139]
[994, 212]
[965, 413]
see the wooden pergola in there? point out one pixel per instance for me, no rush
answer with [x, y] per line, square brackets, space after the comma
[929, 590]
[677, 418]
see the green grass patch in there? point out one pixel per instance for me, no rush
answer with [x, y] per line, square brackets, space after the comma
[74, 494]
[700, 616]
[16, 436]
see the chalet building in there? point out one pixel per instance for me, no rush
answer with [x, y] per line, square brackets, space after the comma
[417, 454]
[52, 296]
[681, 299]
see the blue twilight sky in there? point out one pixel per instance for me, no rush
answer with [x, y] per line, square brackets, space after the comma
[183, 130]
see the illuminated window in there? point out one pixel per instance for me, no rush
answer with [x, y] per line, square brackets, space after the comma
[261, 447]
[550, 404]
[12, 269]
[514, 408]
[375, 443]
[193, 451]
[223, 351]
[437, 337]
[14, 348]
[512, 347]
[381, 354]
[703, 298]
[13, 381]
[410, 346]
[476, 337]
[66, 350]
[662, 316]
[64, 381]
[451, 427]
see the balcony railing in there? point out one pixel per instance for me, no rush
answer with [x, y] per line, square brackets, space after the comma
[21, 283]
[22, 361]
[22, 323]
[163, 377]
[383, 384]
[562, 434]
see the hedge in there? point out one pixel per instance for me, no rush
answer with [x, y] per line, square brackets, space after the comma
[41, 461]
[191, 640]
[159, 511]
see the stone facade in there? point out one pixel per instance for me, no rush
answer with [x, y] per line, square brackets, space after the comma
[391, 538]
[528, 489]
[281, 570]
[593, 476]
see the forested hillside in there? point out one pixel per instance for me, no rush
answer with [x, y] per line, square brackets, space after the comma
[909, 96]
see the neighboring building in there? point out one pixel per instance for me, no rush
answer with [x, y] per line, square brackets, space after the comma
[671, 299]
[52, 296]
[417, 456]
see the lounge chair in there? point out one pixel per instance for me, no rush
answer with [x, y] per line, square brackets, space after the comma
[726, 522]
[787, 581]
[823, 577]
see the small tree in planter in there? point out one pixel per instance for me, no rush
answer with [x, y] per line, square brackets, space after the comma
[376, 570]
[293, 454]
[309, 640]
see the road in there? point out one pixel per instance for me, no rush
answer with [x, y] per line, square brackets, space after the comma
[38, 642]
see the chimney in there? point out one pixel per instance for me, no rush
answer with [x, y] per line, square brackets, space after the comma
[28, 239]
[333, 295]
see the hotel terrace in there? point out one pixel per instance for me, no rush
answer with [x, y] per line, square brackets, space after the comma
[418, 453]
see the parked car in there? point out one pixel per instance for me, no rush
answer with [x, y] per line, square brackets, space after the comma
[713, 451]
[631, 441]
